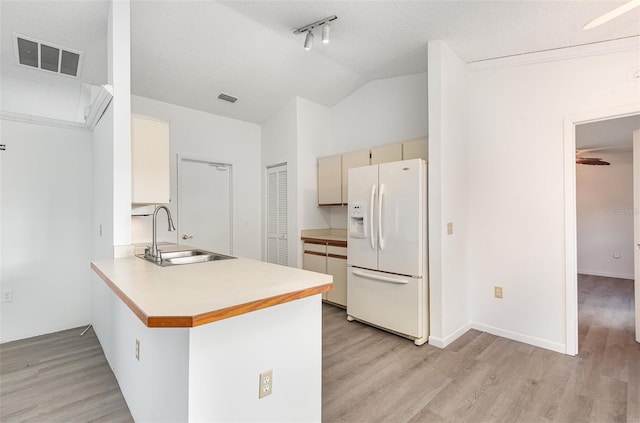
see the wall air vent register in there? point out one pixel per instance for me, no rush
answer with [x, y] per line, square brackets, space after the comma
[47, 56]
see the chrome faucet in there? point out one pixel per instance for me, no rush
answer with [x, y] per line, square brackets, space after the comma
[152, 252]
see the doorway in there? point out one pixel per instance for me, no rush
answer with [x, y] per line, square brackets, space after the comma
[572, 126]
[205, 206]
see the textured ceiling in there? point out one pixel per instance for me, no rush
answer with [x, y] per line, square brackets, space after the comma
[188, 52]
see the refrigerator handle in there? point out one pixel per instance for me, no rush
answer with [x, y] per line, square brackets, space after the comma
[372, 239]
[380, 238]
[378, 277]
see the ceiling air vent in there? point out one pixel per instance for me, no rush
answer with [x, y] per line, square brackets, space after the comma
[46, 56]
[228, 98]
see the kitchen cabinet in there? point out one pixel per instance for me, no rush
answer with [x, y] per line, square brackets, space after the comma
[386, 153]
[350, 161]
[415, 149]
[149, 161]
[330, 180]
[330, 259]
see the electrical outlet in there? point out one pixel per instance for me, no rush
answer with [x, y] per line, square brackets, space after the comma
[266, 383]
[497, 291]
[137, 349]
[7, 296]
[450, 228]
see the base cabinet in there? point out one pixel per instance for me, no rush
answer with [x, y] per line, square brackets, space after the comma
[332, 260]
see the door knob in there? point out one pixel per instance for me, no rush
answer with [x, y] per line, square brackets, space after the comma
[185, 236]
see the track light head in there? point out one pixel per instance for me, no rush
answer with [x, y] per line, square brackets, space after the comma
[326, 29]
[308, 41]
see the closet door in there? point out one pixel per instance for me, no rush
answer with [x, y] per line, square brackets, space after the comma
[277, 218]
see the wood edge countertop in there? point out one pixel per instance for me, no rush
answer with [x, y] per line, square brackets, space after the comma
[190, 321]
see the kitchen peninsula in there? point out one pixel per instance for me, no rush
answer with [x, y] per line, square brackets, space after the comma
[188, 342]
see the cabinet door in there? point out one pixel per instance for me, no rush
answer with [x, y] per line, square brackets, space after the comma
[314, 262]
[349, 161]
[337, 267]
[415, 149]
[149, 161]
[386, 153]
[330, 180]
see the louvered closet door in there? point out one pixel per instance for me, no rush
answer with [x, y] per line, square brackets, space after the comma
[277, 239]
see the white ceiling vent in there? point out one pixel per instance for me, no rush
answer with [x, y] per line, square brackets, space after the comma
[47, 56]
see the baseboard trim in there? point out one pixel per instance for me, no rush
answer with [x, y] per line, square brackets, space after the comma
[447, 340]
[605, 274]
[515, 336]
[436, 342]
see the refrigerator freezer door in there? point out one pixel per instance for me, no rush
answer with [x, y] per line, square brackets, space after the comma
[363, 251]
[402, 222]
[392, 302]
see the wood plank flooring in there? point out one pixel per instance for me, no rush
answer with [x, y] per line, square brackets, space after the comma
[60, 377]
[372, 376]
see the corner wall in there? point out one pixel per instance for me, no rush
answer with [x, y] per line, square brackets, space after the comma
[517, 113]
[448, 195]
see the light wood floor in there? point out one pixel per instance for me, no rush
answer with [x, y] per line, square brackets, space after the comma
[372, 376]
[60, 377]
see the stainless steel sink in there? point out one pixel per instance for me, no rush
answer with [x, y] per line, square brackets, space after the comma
[173, 258]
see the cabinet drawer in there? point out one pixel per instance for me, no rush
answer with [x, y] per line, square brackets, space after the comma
[317, 248]
[338, 251]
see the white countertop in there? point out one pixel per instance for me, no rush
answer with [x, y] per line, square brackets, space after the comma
[205, 292]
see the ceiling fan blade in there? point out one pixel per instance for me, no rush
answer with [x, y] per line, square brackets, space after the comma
[612, 14]
[591, 161]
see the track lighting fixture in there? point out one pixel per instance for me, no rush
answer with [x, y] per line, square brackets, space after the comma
[326, 28]
[308, 41]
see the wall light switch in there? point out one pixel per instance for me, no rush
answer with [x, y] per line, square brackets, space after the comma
[450, 228]
[616, 255]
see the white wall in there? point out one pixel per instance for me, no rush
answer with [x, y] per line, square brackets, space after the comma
[313, 129]
[226, 358]
[515, 126]
[199, 134]
[45, 229]
[382, 111]
[604, 203]
[119, 76]
[448, 195]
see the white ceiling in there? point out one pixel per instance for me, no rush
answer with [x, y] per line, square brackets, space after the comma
[78, 25]
[608, 134]
[188, 52]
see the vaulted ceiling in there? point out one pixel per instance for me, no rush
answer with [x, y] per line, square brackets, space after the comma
[188, 52]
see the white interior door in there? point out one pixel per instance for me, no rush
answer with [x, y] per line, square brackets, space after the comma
[277, 215]
[204, 205]
[636, 224]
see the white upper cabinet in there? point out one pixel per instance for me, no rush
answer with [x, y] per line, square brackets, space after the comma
[386, 153]
[149, 161]
[415, 149]
[330, 180]
[349, 161]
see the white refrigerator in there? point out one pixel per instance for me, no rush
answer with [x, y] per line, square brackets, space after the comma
[387, 249]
